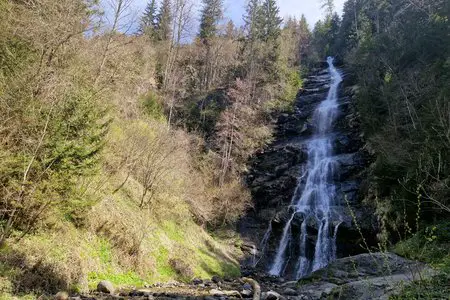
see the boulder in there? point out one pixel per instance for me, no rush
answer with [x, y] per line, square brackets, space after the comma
[106, 287]
[290, 292]
[216, 292]
[363, 277]
[271, 295]
[62, 296]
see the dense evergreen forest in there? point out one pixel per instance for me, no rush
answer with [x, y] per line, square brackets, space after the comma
[125, 140]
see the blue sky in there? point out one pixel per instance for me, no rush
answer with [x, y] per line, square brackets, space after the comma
[310, 8]
[234, 9]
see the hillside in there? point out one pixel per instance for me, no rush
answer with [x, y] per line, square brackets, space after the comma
[163, 147]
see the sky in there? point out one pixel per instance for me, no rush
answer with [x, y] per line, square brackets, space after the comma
[234, 9]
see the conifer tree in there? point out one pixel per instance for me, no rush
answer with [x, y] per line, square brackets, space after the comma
[210, 16]
[253, 21]
[164, 21]
[148, 20]
[271, 32]
[271, 20]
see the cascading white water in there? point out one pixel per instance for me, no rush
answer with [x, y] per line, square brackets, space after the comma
[315, 202]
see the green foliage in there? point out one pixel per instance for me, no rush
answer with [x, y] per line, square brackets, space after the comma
[324, 37]
[292, 83]
[398, 56]
[152, 106]
[148, 20]
[431, 245]
[164, 20]
[210, 17]
[430, 289]
[76, 130]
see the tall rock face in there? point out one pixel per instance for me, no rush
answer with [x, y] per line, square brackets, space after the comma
[280, 172]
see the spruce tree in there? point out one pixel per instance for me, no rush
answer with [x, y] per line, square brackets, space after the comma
[210, 16]
[148, 20]
[271, 33]
[253, 21]
[271, 20]
[164, 22]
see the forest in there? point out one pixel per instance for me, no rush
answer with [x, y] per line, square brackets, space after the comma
[126, 137]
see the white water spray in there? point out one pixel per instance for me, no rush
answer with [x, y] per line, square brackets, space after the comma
[316, 201]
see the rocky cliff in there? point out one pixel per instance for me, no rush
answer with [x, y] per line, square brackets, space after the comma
[277, 173]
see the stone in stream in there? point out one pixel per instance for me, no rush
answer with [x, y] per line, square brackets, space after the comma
[216, 292]
[271, 295]
[61, 296]
[290, 292]
[215, 279]
[106, 287]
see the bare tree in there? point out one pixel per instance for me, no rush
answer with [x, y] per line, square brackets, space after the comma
[182, 12]
[122, 21]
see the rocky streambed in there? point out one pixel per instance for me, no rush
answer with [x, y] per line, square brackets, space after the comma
[361, 277]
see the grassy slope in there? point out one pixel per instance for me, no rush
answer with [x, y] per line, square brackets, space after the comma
[118, 242]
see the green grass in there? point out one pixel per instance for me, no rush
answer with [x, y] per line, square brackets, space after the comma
[431, 245]
[436, 288]
[118, 279]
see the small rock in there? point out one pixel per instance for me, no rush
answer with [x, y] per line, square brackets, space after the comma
[290, 284]
[247, 286]
[61, 296]
[197, 281]
[290, 292]
[246, 293]
[209, 298]
[207, 282]
[271, 295]
[106, 287]
[215, 279]
[216, 292]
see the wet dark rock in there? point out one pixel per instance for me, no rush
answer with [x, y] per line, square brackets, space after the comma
[363, 277]
[216, 279]
[276, 173]
[290, 292]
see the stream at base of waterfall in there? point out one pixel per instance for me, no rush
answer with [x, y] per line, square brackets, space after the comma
[314, 200]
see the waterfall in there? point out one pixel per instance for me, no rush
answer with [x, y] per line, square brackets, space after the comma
[315, 202]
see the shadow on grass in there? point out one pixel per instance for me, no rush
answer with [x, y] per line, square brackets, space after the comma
[29, 277]
[227, 266]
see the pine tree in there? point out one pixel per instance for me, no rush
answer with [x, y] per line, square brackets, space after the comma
[253, 21]
[271, 20]
[210, 16]
[271, 34]
[164, 22]
[304, 37]
[148, 20]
